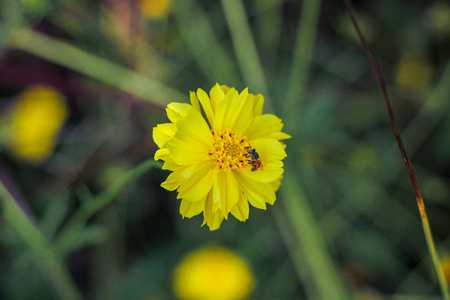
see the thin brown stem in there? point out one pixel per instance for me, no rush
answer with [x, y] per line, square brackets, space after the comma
[412, 176]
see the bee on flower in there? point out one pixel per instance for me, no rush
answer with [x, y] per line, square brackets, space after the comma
[214, 168]
[254, 161]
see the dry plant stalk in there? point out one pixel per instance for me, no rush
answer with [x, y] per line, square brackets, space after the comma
[412, 176]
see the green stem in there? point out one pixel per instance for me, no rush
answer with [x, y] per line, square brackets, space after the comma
[88, 208]
[71, 57]
[314, 253]
[38, 244]
[434, 254]
[197, 31]
[245, 48]
[302, 58]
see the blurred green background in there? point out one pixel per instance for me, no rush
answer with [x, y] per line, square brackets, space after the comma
[115, 64]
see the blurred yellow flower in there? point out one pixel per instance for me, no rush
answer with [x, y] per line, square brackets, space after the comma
[224, 162]
[213, 273]
[445, 265]
[36, 119]
[414, 72]
[154, 9]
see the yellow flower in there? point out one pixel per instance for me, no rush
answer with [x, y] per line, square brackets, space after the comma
[154, 9]
[213, 165]
[213, 273]
[36, 120]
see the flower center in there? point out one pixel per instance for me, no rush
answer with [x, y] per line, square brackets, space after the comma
[229, 149]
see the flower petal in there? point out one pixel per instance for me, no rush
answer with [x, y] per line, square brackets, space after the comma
[243, 112]
[269, 172]
[213, 220]
[194, 102]
[217, 96]
[263, 126]
[170, 165]
[177, 176]
[192, 140]
[197, 186]
[276, 184]
[258, 193]
[223, 110]
[163, 133]
[235, 112]
[162, 154]
[279, 136]
[225, 192]
[191, 208]
[269, 150]
[259, 103]
[176, 111]
[206, 104]
[241, 210]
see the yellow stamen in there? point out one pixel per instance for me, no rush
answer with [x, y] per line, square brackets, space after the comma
[230, 150]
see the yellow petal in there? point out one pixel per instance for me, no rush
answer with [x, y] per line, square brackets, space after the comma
[217, 96]
[269, 172]
[171, 184]
[263, 126]
[279, 136]
[163, 133]
[276, 184]
[225, 88]
[177, 176]
[162, 154]
[241, 210]
[259, 103]
[197, 186]
[213, 220]
[269, 150]
[241, 112]
[206, 104]
[191, 208]
[225, 192]
[192, 141]
[176, 111]
[194, 101]
[258, 193]
[169, 164]
[223, 110]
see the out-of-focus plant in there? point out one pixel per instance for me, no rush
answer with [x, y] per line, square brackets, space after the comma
[32, 125]
[414, 73]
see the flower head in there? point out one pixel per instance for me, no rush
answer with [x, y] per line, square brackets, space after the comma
[155, 9]
[213, 273]
[224, 162]
[36, 119]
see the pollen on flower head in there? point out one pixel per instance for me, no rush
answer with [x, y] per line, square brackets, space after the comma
[229, 149]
